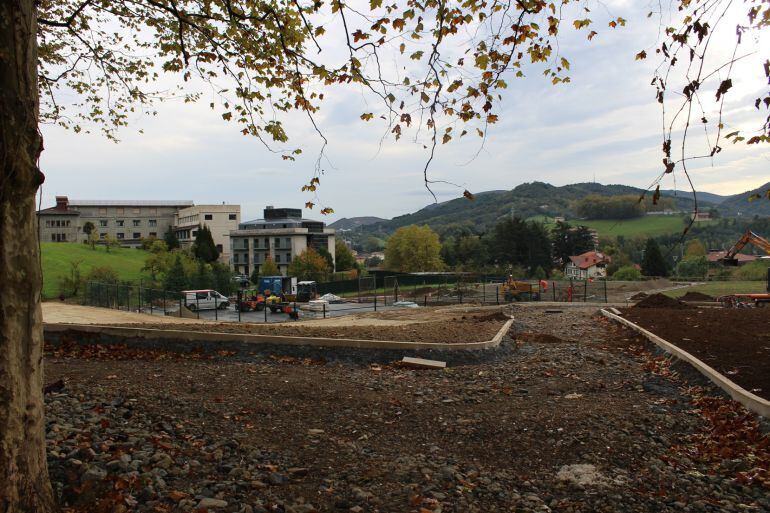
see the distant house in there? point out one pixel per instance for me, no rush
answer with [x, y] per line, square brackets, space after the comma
[591, 264]
[701, 216]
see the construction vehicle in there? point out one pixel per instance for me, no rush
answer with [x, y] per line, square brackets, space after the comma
[519, 290]
[747, 238]
[284, 287]
[306, 291]
[745, 300]
[251, 301]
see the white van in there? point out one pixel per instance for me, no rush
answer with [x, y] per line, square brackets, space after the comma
[204, 300]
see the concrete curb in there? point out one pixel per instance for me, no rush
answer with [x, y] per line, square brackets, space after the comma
[751, 401]
[248, 339]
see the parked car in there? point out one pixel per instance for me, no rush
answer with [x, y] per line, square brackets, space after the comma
[242, 280]
[205, 300]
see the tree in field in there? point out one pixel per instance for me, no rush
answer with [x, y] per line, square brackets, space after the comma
[204, 247]
[653, 263]
[695, 248]
[171, 239]
[517, 243]
[309, 266]
[413, 249]
[343, 257]
[259, 60]
[268, 268]
[90, 230]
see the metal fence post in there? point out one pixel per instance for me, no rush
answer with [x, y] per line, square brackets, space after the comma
[553, 289]
[150, 300]
[265, 309]
[426, 299]
[164, 301]
[605, 290]
[239, 303]
[497, 294]
[324, 309]
[180, 304]
[375, 300]
[585, 291]
[197, 306]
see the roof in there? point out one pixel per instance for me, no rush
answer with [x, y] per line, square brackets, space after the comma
[131, 203]
[716, 256]
[58, 211]
[590, 259]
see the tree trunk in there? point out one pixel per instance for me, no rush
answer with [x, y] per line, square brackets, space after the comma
[24, 483]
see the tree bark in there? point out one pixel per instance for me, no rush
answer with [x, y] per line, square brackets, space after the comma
[24, 483]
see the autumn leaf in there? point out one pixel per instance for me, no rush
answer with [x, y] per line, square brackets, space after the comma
[309, 205]
[367, 116]
[641, 55]
[469, 195]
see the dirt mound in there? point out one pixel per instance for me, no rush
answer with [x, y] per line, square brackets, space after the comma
[660, 301]
[638, 296]
[696, 296]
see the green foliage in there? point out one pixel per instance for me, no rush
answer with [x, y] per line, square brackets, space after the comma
[172, 242]
[374, 261]
[175, 277]
[309, 265]
[268, 268]
[204, 247]
[756, 270]
[695, 248]
[328, 257]
[147, 242]
[57, 258]
[372, 244]
[413, 249]
[103, 274]
[222, 278]
[343, 257]
[539, 273]
[653, 263]
[570, 241]
[693, 267]
[627, 273]
[515, 242]
[72, 284]
[254, 278]
[202, 279]
[610, 207]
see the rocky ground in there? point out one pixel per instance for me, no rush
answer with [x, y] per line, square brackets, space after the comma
[572, 414]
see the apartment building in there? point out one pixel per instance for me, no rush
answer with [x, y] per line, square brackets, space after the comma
[129, 222]
[220, 219]
[281, 234]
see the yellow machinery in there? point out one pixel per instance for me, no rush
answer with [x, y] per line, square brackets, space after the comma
[748, 238]
[519, 290]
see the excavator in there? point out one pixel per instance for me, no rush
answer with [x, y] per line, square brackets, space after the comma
[747, 238]
[739, 300]
[519, 290]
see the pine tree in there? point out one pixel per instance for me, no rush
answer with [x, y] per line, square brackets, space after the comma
[653, 263]
[204, 247]
[171, 239]
[203, 278]
[175, 279]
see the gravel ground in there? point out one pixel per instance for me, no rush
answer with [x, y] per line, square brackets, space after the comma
[573, 414]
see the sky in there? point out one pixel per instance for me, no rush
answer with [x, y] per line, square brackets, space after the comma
[603, 126]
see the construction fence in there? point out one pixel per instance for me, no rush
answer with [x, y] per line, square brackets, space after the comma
[369, 293]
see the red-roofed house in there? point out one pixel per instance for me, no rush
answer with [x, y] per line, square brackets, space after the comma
[715, 257]
[591, 264]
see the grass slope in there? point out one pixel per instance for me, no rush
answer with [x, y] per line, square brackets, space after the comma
[645, 226]
[57, 257]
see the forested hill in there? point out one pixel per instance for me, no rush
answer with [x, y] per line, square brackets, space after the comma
[739, 204]
[526, 200]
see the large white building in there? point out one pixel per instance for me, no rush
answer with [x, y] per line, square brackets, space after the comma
[281, 234]
[130, 221]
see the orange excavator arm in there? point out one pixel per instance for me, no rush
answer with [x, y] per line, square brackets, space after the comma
[748, 237]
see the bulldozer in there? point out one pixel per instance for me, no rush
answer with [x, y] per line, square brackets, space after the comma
[513, 290]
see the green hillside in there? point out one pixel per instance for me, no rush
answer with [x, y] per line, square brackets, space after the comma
[57, 257]
[646, 226]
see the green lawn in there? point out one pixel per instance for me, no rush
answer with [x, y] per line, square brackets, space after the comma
[58, 255]
[722, 288]
[646, 226]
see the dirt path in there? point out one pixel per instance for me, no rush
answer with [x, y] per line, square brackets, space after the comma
[565, 418]
[54, 312]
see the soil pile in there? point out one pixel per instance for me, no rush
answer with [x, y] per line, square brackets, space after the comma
[660, 301]
[639, 295]
[696, 296]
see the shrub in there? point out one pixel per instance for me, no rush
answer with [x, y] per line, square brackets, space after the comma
[756, 270]
[627, 273]
[693, 267]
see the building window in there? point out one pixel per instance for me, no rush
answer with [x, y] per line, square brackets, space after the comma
[235, 257]
[136, 210]
[246, 243]
[154, 234]
[53, 237]
[267, 243]
[288, 243]
[219, 248]
[102, 210]
[102, 236]
[232, 217]
[68, 223]
[194, 233]
[119, 222]
[288, 258]
[137, 235]
[277, 258]
[120, 235]
[277, 242]
[137, 222]
[153, 222]
[102, 222]
[208, 217]
[120, 211]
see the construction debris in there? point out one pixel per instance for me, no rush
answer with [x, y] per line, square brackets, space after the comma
[421, 363]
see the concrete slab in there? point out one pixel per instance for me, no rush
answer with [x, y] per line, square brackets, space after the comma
[421, 363]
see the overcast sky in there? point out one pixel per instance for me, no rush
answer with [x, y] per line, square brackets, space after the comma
[604, 125]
